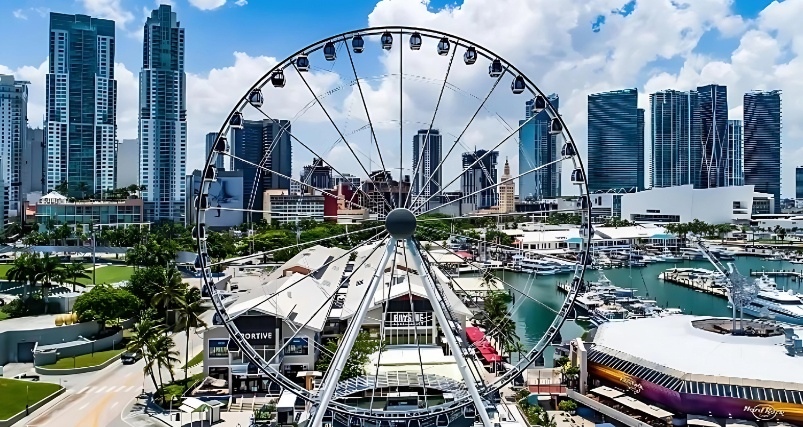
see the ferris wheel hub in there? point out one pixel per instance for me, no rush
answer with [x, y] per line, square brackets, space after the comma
[400, 223]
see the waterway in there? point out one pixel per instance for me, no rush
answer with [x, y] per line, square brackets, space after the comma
[533, 319]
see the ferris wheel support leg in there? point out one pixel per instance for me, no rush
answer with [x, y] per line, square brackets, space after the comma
[344, 348]
[457, 351]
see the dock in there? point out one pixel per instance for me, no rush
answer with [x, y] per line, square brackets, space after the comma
[778, 273]
[697, 284]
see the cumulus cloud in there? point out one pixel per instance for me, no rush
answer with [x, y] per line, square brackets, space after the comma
[241, 2]
[19, 14]
[127, 101]
[109, 9]
[36, 90]
[207, 4]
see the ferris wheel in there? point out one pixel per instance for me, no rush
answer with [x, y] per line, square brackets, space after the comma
[370, 132]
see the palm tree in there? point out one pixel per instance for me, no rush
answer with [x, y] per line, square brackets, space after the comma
[24, 270]
[171, 291]
[189, 317]
[164, 354]
[75, 271]
[49, 271]
[141, 340]
[83, 187]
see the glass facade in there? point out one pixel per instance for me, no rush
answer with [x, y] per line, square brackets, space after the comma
[675, 152]
[734, 156]
[480, 176]
[81, 110]
[537, 147]
[712, 119]
[615, 148]
[431, 158]
[762, 142]
[111, 214]
[799, 182]
[163, 117]
[211, 137]
[13, 130]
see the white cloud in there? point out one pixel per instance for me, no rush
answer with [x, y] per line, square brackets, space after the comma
[36, 91]
[19, 14]
[207, 4]
[109, 9]
[42, 11]
[241, 2]
[127, 101]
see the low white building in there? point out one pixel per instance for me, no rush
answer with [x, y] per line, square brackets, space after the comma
[684, 203]
[557, 239]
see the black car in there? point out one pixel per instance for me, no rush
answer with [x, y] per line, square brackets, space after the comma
[131, 357]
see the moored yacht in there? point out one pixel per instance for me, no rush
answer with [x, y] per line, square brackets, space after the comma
[783, 306]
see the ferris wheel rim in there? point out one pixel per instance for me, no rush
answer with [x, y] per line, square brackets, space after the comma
[532, 354]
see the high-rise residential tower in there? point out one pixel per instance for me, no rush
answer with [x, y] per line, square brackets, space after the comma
[32, 172]
[537, 148]
[267, 143]
[762, 142]
[81, 104]
[13, 130]
[712, 122]
[734, 154]
[163, 117]
[479, 176]
[431, 146]
[799, 187]
[675, 158]
[615, 147]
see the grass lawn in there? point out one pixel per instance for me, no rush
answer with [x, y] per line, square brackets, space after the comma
[197, 359]
[3, 269]
[13, 395]
[86, 359]
[109, 274]
[3, 315]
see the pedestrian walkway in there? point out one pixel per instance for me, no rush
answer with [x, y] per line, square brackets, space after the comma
[107, 389]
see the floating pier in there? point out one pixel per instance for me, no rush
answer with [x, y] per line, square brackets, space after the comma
[698, 284]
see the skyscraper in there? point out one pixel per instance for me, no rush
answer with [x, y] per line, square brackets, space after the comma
[32, 164]
[507, 192]
[266, 143]
[13, 130]
[762, 142]
[480, 176]
[433, 152]
[799, 186]
[712, 119]
[734, 154]
[211, 137]
[675, 158]
[163, 117]
[81, 104]
[615, 148]
[536, 148]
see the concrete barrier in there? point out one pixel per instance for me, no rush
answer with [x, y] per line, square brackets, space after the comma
[44, 371]
[80, 348]
[13, 420]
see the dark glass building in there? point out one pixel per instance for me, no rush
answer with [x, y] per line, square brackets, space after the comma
[163, 117]
[734, 156]
[432, 155]
[537, 147]
[615, 148]
[675, 157]
[81, 104]
[480, 176]
[799, 183]
[262, 142]
[762, 142]
[318, 175]
[712, 122]
[211, 137]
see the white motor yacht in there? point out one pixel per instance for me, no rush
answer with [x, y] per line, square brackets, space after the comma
[667, 255]
[783, 306]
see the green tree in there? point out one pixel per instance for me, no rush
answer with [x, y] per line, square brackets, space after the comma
[171, 291]
[189, 317]
[144, 284]
[24, 270]
[48, 271]
[164, 354]
[104, 303]
[567, 406]
[363, 347]
[152, 253]
[141, 340]
[62, 188]
[73, 272]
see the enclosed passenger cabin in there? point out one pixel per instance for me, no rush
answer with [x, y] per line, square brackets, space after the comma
[255, 98]
[357, 44]
[201, 201]
[415, 41]
[539, 104]
[302, 62]
[199, 231]
[210, 174]
[470, 56]
[236, 121]
[387, 41]
[495, 69]
[568, 150]
[277, 78]
[577, 176]
[329, 51]
[518, 85]
[222, 145]
[555, 127]
[443, 46]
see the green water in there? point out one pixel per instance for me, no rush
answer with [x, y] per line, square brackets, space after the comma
[532, 319]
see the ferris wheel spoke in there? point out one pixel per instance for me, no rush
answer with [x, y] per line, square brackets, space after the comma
[459, 137]
[265, 253]
[367, 114]
[401, 117]
[300, 279]
[320, 158]
[415, 323]
[328, 116]
[432, 122]
[504, 181]
[477, 161]
[457, 351]
[347, 341]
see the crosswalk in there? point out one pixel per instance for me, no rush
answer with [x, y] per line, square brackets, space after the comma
[106, 389]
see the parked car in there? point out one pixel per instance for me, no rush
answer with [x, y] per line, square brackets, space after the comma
[131, 357]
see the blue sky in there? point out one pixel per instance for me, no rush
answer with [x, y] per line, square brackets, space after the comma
[571, 47]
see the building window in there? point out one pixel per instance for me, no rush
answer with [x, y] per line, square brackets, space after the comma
[218, 348]
[297, 347]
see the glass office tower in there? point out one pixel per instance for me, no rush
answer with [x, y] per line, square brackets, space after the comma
[615, 147]
[762, 142]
